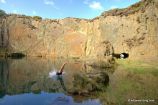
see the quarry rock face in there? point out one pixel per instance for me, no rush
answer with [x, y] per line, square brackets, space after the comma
[133, 30]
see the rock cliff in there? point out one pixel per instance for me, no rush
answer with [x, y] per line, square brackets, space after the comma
[133, 30]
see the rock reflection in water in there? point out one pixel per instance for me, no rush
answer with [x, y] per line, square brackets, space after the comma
[61, 82]
[32, 76]
[86, 84]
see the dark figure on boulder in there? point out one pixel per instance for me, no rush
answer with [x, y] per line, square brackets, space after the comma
[120, 56]
[61, 70]
[124, 55]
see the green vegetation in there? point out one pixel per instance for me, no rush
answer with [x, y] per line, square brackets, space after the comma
[37, 18]
[132, 80]
[139, 67]
[2, 13]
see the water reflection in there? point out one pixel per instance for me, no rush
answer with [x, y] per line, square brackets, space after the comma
[61, 82]
[4, 75]
[45, 99]
[28, 82]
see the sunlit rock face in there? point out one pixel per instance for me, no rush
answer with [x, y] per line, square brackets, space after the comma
[132, 30]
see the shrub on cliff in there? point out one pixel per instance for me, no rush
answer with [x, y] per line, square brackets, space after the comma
[38, 18]
[2, 13]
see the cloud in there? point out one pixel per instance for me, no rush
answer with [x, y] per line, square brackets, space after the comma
[49, 2]
[3, 1]
[93, 4]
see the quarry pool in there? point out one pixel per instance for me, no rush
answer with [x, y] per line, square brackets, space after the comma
[33, 82]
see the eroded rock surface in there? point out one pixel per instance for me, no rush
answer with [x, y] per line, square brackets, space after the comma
[133, 30]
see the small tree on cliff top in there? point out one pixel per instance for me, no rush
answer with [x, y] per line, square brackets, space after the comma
[38, 18]
[2, 13]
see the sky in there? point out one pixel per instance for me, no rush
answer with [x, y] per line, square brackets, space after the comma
[55, 9]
